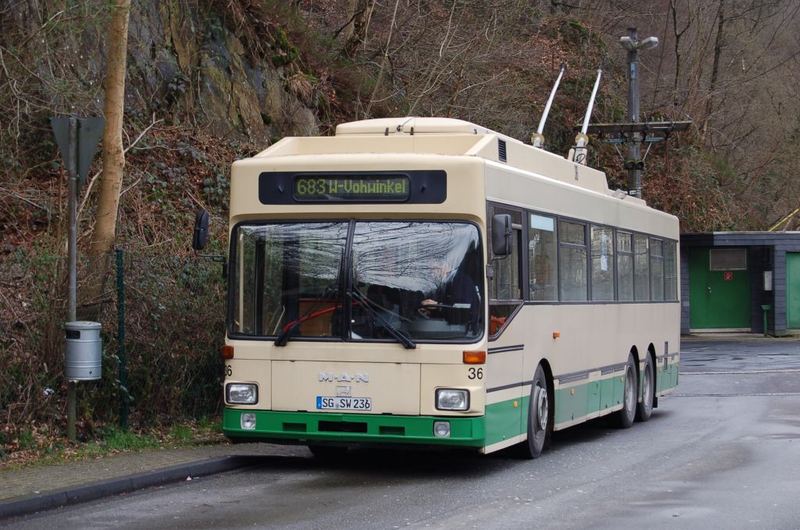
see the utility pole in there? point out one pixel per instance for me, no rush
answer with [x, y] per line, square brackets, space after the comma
[634, 164]
[635, 132]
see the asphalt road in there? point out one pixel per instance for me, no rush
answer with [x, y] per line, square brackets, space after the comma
[723, 452]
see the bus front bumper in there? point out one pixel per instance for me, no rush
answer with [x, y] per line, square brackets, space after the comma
[310, 427]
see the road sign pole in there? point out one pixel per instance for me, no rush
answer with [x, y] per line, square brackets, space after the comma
[72, 169]
[77, 139]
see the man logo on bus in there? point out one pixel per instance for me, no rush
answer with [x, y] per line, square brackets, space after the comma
[327, 377]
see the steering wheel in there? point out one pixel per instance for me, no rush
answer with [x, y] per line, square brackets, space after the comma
[424, 310]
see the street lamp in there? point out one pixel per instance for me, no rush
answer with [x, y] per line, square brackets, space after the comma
[634, 165]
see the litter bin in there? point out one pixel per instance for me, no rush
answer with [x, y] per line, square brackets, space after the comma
[84, 351]
[765, 308]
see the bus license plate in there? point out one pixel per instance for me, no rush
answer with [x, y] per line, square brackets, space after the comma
[343, 403]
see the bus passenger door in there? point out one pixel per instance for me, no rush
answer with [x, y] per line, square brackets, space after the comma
[506, 394]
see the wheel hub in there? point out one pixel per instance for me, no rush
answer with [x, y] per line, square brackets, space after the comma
[629, 394]
[542, 407]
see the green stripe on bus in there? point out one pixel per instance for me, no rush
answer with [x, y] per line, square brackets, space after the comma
[355, 428]
[578, 401]
[504, 420]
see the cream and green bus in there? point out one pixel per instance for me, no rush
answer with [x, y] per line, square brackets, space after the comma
[428, 281]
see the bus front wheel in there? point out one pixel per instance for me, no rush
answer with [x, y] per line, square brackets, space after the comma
[539, 421]
[626, 416]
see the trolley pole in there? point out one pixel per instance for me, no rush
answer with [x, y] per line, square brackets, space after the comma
[72, 169]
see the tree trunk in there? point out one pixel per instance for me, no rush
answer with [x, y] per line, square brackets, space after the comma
[384, 62]
[355, 33]
[113, 157]
[712, 85]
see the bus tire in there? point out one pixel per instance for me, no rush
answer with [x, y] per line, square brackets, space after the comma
[328, 453]
[645, 407]
[539, 418]
[626, 416]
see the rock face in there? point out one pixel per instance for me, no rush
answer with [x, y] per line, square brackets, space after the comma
[193, 67]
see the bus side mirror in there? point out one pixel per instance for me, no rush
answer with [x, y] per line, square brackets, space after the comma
[200, 236]
[501, 234]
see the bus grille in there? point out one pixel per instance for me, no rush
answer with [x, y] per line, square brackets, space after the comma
[342, 426]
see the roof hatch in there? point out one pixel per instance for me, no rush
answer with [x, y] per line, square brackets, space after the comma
[410, 125]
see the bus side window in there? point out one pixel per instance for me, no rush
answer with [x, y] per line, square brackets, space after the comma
[641, 268]
[656, 269]
[624, 266]
[505, 291]
[670, 272]
[572, 273]
[602, 238]
[542, 258]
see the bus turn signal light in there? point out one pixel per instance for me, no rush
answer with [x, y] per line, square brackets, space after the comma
[226, 351]
[474, 357]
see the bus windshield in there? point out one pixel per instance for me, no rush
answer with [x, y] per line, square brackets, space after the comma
[358, 281]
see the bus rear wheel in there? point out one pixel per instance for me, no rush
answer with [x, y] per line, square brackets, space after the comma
[539, 421]
[626, 416]
[645, 407]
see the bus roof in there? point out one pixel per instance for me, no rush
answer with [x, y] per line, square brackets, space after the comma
[444, 136]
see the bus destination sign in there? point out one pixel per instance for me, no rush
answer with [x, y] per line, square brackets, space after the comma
[351, 188]
[412, 186]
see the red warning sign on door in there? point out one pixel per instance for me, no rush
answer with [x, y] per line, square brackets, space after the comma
[727, 276]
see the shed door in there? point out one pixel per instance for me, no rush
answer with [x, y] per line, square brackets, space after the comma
[719, 289]
[793, 290]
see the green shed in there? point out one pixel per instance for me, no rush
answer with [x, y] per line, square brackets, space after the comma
[737, 281]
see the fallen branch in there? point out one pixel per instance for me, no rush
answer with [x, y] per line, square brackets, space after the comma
[20, 197]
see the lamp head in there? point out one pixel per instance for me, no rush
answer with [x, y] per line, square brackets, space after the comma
[627, 43]
[648, 43]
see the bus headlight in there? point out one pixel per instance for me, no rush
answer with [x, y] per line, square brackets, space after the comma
[241, 393]
[452, 399]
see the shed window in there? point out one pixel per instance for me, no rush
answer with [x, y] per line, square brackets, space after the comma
[727, 259]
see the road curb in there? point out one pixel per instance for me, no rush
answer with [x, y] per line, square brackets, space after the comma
[105, 488]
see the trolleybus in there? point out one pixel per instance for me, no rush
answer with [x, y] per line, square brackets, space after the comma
[429, 281]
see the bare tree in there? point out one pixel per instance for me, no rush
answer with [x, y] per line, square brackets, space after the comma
[712, 84]
[355, 30]
[105, 225]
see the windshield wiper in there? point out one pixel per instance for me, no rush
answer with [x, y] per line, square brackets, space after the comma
[404, 339]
